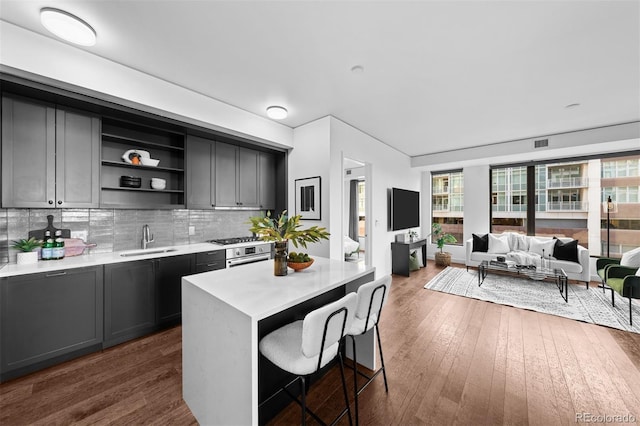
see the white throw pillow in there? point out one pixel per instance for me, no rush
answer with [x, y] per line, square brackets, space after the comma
[537, 246]
[517, 242]
[630, 258]
[499, 244]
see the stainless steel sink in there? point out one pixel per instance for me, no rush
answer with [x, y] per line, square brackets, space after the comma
[147, 251]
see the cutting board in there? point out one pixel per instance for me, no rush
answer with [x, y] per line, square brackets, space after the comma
[39, 233]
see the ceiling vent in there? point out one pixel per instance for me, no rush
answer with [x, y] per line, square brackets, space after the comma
[541, 143]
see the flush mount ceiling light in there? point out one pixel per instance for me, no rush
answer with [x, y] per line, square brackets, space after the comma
[67, 26]
[357, 69]
[277, 112]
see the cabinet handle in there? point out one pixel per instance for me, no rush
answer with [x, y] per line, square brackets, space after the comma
[50, 201]
[59, 274]
[59, 202]
[212, 264]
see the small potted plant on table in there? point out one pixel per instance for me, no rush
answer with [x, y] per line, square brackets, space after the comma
[28, 253]
[442, 258]
[281, 231]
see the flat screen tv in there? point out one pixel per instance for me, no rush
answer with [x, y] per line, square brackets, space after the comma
[404, 209]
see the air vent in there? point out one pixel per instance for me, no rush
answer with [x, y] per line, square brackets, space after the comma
[541, 143]
[348, 172]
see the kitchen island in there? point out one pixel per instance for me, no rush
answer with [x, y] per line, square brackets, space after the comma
[224, 315]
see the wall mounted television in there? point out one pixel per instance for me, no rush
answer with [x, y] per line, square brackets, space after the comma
[404, 209]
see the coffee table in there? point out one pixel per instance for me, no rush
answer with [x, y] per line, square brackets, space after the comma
[557, 275]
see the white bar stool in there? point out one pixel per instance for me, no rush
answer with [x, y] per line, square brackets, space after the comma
[371, 298]
[304, 347]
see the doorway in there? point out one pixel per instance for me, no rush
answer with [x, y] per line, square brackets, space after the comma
[356, 210]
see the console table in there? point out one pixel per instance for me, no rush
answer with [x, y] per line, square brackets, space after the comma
[400, 255]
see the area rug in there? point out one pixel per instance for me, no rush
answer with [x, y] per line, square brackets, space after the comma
[588, 305]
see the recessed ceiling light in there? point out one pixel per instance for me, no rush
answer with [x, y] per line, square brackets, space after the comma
[67, 26]
[357, 69]
[572, 105]
[277, 112]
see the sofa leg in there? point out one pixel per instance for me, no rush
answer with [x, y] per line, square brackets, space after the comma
[613, 300]
[587, 283]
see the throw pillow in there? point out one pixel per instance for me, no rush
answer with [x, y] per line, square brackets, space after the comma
[631, 258]
[518, 242]
[498, 244]
[480, 242]
[418, 255]
[413, 262]
[542, 247]
[566, 250]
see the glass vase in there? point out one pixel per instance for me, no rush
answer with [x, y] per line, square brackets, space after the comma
[280, 259]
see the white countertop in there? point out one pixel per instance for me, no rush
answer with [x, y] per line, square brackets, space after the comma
[253, 289]
[86, 260]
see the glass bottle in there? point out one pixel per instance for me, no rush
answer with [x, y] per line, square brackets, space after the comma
[58, 246]
[47, 246]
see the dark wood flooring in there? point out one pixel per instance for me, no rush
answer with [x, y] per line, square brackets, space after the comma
[450, 360]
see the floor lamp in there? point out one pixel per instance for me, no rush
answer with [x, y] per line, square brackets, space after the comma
[610, 207]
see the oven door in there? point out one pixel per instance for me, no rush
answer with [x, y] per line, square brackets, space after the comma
[247, 259]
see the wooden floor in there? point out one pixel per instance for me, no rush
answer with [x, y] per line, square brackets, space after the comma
[450, 360]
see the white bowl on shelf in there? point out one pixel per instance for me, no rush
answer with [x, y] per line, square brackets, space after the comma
[157, 183]
[151, 162]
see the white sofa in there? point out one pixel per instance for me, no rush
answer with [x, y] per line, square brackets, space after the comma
[521, 243]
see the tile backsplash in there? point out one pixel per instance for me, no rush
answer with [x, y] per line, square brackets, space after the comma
[115, 230]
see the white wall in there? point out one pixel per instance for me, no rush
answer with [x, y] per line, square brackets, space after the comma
[24, 51]
[309, 158]
[390, 168]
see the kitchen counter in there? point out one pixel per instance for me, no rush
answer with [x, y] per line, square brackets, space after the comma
[224, 314]
[13, 269]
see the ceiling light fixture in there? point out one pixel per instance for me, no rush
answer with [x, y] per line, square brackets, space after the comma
[277, 112]
[357, 69]
[67, 26]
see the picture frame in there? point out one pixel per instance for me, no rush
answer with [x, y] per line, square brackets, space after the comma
[307, 196]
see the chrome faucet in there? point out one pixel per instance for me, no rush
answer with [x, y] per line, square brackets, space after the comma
[146, 236]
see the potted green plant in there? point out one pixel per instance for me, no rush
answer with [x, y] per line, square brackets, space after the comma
[442, 258]
[28, 250]
[281, 230]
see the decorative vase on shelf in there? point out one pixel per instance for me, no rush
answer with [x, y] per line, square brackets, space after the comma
[280, 259]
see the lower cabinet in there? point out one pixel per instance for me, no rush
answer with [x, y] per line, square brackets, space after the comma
[129, 301]
[48, 318]
[142, 296]
[169, 273]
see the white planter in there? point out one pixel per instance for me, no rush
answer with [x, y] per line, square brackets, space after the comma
[27, 257]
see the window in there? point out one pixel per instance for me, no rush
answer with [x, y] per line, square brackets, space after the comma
[562, 194]
[447, 202]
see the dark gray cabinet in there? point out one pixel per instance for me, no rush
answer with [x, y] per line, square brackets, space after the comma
[129, 301]
[47, 318]
[50, 156]
[201, 173]
[210, 261]
[169, 273]
[236, 176]
[267, 181]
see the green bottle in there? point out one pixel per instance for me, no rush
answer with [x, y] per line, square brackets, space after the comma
[58, 246]
[47, 246]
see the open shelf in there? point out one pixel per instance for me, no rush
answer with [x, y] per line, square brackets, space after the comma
[125, 188]
[134, 166]
[146, 144]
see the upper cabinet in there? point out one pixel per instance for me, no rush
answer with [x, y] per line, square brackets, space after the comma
[121, 142]
[200, 173]
[267, 181]
[50, 155]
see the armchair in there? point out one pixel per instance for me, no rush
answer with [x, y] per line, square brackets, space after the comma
[602, 264]
[625, 281]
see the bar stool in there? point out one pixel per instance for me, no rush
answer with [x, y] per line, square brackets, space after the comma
[304, 347]
[371, 297]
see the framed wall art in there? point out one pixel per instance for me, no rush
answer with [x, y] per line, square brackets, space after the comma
[308, 198]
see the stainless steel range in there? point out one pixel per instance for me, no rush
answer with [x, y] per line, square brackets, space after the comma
[245, 250]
